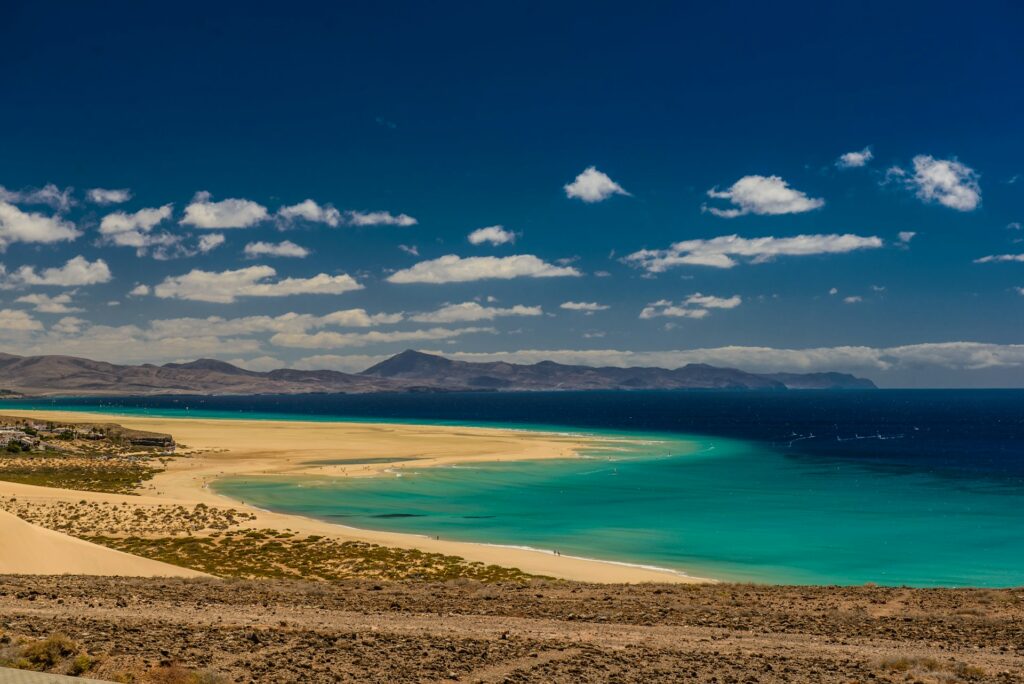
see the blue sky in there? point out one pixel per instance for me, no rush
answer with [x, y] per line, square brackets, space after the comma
[662, 184]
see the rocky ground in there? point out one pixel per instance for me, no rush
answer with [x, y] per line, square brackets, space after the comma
[539, 631]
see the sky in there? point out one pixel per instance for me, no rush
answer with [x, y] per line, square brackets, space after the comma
[779, 186]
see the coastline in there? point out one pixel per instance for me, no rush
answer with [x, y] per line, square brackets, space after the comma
[220, 447]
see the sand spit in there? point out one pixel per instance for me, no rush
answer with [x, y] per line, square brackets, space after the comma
[216, 448]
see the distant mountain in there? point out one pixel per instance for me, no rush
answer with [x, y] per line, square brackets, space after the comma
[433, 370]
[410, 371]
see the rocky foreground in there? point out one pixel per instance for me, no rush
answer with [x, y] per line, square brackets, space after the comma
[540, 631]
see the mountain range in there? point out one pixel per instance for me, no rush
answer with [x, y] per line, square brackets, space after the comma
[409, 371]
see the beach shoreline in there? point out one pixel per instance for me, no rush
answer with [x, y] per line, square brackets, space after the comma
[215, 448]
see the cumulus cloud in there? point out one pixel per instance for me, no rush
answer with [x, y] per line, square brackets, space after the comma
[286, 248]
[310, 211]
[906, 236]
[57, 304]
[104, 196]
[135, 229]
[228, 213]
[259, 363]
[290, 322]
[210, 242]
[378, 218]
[49, 194]
[723, 251]
[23, 226]
[472, 311]
[455, 269]
[139, 291]
[411, 250]
[763, 195]
[17, 321]
[951, 355]
[946, 181]
[996, 258]
[695, 306]
[853, 299]
[593, 186]
[348, 363]
[77, 271]
[143, 220]
[853, 160]
[225, 287]
[588, 307]
[495, 235]
[335, 340]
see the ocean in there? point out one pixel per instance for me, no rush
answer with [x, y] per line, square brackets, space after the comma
[897, 487]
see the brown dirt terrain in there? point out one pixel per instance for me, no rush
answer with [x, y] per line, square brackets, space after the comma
[539, 631]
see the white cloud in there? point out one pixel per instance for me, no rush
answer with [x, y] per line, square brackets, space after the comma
[588, 307]
[1019, 290]
[378, 218]
[23, 226]
[290, 322]
[259, 363]
[472, 311]
[695, 306]
[225, 287]
[412, 250]
[721, 252]
[348, 363]
[946, 181]
[309, 210]
[280, 249]
[495, 235]
[952, 355]
[135, 229]
[712, 302]
[853, 160]
[46, 304]
[210, 242]
[139, 291]
[668, 309]
[764, 195]
[906, 236]
[143, 220]
[1014, 225]
[593, 186]
[77, 271]
[229, 213]
[103, 196]
[15, 320]
[995, 258]
[455, 269]
[853, 299]
[49, 194]
[833, 291]
[335, 340]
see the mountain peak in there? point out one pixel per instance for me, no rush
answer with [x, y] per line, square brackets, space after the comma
[406, 362]
[208, 365]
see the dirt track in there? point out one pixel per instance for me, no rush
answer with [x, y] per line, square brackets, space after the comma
[281, 631]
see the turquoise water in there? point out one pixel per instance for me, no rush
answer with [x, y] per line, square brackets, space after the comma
[924, 488]
[721, 508]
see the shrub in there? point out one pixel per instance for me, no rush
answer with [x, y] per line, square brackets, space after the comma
[50, 651]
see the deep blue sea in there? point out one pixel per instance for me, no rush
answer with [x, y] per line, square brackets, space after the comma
[917, 487]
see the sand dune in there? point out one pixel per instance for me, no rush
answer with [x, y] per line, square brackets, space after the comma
[30, 550]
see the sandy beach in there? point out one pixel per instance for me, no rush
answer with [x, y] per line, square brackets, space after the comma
[218, 448]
